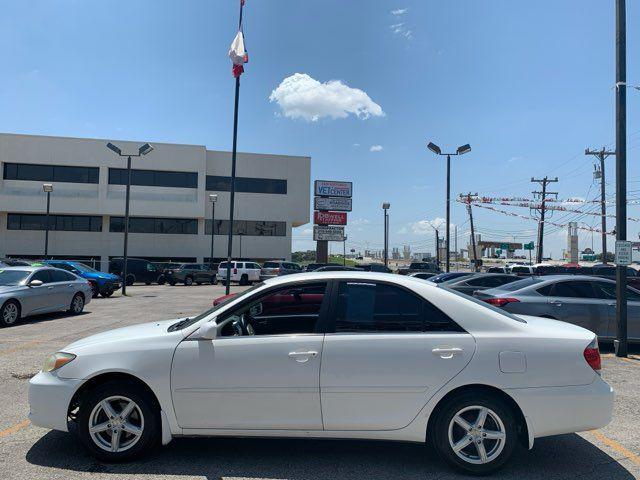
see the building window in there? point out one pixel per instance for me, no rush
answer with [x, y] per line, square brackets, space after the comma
[247, 185]
[154, 178]
[182, 226]
[64, 223]
[251, 228]
[50, 173]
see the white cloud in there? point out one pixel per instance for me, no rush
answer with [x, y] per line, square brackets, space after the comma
[399, 11]
[360, 221]
[402, 231]
[356, 145]
[300, 96]
[425, 227]
[376, 148]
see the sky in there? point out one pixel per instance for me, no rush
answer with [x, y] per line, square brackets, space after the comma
[361, 87]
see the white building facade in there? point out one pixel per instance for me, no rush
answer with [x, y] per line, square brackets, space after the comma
[169, 208]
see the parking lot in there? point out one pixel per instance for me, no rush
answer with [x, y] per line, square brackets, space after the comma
[30, 452]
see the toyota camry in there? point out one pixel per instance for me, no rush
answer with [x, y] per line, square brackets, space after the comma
[356, 355]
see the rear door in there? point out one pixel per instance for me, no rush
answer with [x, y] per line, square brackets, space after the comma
[576, 302]
[388, 351]
[63, 288]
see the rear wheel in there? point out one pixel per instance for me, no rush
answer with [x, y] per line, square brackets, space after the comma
[131, 279]
[214, 280]
[77, 304]
[106, 293]
[475, 433]
[188, 281]
[10, 313]
[94, 290]
[244, 279]
[173, 284]
[118, 422]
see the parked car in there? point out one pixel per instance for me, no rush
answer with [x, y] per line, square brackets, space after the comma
[26, 291]
[419, 267]
[522, 270]
[498, 270]
[609, 271]
[582, 300]
[422, 275]
[190, 273]
[374, 267]
[138, 270]
[314, 266]
[478, 282]
[443, 277]
[337, 268]
[15, 262]
[275, 268]
[102, 283]
[161, 267]
[244, 273]
[331, 355]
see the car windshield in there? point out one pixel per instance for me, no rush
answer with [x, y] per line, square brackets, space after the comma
[190, 321]
[13, 277]
[517, 285]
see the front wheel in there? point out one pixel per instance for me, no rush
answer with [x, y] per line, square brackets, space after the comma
[475, 433]
[118, 421]
[188, 281]
[10, 313]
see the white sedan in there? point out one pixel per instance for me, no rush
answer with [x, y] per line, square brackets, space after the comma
[331, 355]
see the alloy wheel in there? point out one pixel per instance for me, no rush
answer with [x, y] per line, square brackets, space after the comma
[116, 424]
[78, 304]
[477, 435]
[10, 313]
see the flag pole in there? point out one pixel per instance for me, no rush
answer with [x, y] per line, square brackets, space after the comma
[233, 169]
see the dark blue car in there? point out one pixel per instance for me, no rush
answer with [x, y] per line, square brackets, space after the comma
[101, 282]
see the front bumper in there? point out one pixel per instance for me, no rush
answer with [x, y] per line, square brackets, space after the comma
[109, 285]
[560, 410]
[49, 399]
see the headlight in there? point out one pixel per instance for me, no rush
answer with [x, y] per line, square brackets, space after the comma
[57, 360]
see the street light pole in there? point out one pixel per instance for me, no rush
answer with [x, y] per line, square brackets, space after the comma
[143, 150]
[385, 207]
[213, 198]
[47, 188]
[460, 151]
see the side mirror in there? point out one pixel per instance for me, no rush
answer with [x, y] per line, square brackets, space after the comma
[35, 283]
[207, 331]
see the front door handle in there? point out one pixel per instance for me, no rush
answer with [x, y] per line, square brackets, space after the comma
[446, 352]
[556, 303]
[49, 288]
[302, 357]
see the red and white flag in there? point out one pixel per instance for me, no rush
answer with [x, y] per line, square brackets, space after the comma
[237, 52]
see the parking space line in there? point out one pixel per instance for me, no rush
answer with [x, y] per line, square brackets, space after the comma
[17, 427]
[628, 454]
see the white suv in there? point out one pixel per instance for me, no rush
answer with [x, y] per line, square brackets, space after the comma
[242, 272]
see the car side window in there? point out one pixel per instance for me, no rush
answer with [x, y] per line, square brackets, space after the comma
[605, 290]
[378, 307]
[60, 276]
[573, 289]
[289, 310]
[42, 275]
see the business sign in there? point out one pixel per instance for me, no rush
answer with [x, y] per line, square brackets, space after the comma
[331, 188]
[329, 218]
[328, 233]
[623, 252]
[338, 204]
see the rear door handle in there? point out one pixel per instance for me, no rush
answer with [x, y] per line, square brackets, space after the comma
[556, 303]
[302, 357]
[446, 352]
[49, 288]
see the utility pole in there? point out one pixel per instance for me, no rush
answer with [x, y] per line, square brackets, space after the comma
[467, 198]
[620, 343]
[455, 242]
[602, 155]
[543, 197]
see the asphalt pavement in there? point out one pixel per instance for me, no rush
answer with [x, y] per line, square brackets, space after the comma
[28, 452]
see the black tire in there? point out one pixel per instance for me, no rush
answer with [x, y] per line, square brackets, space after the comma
[244, 279]
[131, 279]
[214, 280]
[106, 293]
[8, 320]
[147, 410]
[198, 283]
[77, 304]
[439, 434]
[173, 284]
[188, 281]
[161, 280]
[95, 291]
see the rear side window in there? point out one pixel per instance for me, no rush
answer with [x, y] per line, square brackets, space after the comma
[378, 307]
[60, 276]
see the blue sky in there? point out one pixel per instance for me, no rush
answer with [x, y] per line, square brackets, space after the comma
[527, 84]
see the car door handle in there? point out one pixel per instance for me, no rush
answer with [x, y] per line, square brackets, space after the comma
[446, 352]
[556, 303]
[302, 357]
[50, 288]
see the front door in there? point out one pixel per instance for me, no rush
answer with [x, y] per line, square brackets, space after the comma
[262, 372]
[389, 352]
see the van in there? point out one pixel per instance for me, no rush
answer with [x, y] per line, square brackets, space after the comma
[138, 270]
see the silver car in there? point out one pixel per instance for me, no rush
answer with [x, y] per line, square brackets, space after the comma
[476, 282]
[26, 291]
[586, 301]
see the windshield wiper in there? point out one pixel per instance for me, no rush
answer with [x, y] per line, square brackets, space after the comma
[178, 325]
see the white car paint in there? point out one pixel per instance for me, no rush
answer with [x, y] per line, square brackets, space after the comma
[250, 269]
[375, 386]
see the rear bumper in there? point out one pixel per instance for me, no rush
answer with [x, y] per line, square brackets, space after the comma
[559, 410]
[49, 399]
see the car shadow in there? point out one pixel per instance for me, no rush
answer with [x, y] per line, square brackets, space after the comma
[46, 317]
[214, 458]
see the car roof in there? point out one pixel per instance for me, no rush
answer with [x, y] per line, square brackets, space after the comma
[30, 268]
[347, 275]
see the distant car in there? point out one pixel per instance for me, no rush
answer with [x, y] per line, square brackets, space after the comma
[443, 277]
[478, 282]
[102, 283]
[582, 300]
[275, 268]
[26, 291]
[419, 267]
[244, 273]
[337, 268]
[314, 266]
[498, 270]
[522, 270]
[138, 270]
[190, 273]
[609, 271]
[15, 262]
[422, 275]
[374, 267]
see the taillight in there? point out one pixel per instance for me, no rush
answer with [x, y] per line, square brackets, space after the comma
[500, 302]
[277, 270]
[592, 355]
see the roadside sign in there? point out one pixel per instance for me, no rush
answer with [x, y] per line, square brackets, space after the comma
[623, 252]
[338, 204]
[528, 246]
[328, 233]
[329, 218]
[504, 246]
[331, 188]
[498, 251]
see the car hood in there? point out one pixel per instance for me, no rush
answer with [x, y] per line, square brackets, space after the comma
[549, 328]
[10, 288]
[141, 332]
[101, 276]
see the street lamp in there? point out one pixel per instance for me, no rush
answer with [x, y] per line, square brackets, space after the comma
[47, 188]
[143, 150]
[460, 151]
[385, 207]
[213, 198]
